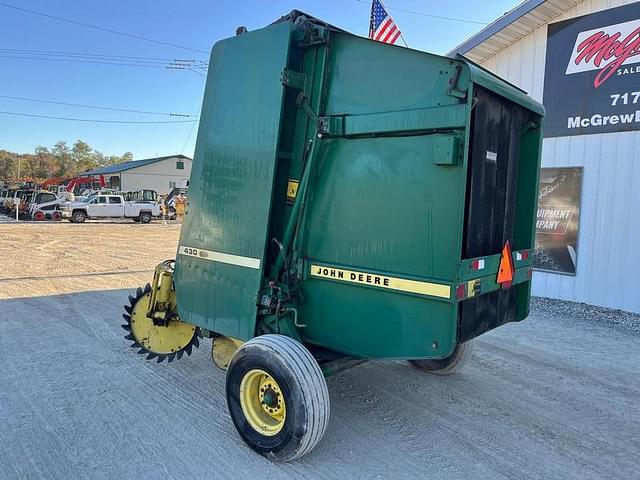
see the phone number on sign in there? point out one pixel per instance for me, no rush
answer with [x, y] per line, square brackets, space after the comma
[625, 98]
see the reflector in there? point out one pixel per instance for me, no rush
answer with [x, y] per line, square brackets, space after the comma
[506, 270]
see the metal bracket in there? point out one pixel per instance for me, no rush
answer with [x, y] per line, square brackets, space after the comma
[294, 79]
[530, 126]
[331, 125]
[453, 82]
[314, 35]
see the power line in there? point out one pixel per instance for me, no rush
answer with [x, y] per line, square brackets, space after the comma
[88, 120]
[423, 14]
[193, 126]
[200, 74]
[96, 27]
[101, 55]
[97, 107]
[77, 60]
[171, 65]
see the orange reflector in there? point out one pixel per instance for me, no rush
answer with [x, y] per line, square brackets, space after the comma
[506, 270]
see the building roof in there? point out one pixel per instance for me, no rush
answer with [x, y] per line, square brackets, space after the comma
[121, 167]
[511, 27]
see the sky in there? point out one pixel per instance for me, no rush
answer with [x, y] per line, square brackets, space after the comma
[32, 47]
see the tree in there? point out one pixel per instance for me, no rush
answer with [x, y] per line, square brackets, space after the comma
[62, 156]
[46, 162]
[58, 161]
[82, 157]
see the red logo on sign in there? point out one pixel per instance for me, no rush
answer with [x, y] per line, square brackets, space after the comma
[605, 49]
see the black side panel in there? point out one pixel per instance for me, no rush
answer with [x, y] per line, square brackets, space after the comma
[493, 173]
[491, 203]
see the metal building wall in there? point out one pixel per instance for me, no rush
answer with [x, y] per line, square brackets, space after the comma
[608, 273]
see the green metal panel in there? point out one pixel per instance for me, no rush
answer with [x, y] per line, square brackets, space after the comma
[378, 138]
[382, 204]
[366, 322]
[231, 183]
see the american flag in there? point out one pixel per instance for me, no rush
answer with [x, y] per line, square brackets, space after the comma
[382, 27]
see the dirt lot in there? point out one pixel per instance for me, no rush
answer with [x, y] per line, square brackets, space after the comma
[53, 258]
[555, 396]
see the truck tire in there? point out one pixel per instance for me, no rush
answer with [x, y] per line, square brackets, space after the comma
[145, 217]
[450, 365]
[277, 397]
[78, 216]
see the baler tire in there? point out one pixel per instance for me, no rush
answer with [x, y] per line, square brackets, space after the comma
[299, 379]
[450, 365]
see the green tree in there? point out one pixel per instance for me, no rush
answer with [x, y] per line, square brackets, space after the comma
[82, 156]
[62, 156]
[46, 163]
[57, 161]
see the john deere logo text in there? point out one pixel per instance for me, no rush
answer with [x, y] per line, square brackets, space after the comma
[356, 277]
[381, 281]
[606, 49]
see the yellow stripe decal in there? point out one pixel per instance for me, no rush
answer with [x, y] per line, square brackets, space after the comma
[381, 281]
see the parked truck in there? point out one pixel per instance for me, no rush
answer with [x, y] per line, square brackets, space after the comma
[349, 201]
[109, 206]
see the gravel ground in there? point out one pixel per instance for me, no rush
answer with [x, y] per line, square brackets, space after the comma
[46, 258]
[555, 396]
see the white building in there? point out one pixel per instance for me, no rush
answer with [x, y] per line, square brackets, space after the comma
[161, 174]
[577, 57]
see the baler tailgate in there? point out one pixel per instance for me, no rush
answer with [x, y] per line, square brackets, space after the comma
[496, 131]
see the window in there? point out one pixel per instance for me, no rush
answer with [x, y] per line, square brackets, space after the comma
[44, 197]
[172, 184]
[101, 200]
[115, 200]
[179, 165]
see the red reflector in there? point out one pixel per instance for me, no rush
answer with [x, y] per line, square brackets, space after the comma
[477, 264]
[461, 291]
[525, 254]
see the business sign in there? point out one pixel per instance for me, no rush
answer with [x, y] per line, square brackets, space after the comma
[592, 73]
[557, 221]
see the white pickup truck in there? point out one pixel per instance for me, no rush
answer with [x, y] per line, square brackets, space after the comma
[110, 206]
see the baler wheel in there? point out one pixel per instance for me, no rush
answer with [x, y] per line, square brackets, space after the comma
[450, 365]
[157, 341]
[56, 215]
[277, 397]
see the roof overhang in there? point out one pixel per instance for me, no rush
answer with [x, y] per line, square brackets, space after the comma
[511, 27]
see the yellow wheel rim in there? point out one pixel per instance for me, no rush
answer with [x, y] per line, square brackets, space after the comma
[155, 338]
[262, 402]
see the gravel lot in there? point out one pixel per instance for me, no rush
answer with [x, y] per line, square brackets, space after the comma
[45, 258]
[556, 396]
